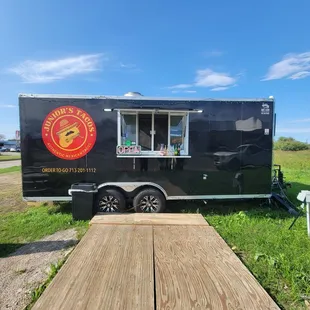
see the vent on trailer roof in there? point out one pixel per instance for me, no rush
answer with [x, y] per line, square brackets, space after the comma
[133, 94]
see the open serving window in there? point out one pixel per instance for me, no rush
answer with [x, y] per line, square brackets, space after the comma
[153, 133]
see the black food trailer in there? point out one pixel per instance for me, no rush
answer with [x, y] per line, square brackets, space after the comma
[144, 150]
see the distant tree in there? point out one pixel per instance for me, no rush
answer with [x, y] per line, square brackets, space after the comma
[290, 144]
[2, 136]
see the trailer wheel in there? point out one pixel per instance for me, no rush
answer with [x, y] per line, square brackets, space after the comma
[149, 200]
[111, 200]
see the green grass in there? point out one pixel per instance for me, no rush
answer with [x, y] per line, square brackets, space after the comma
[18, 228]
[278, 257]
[35, 294]
[296, 168]
[10, 169]
[260, 236]
[9, 157]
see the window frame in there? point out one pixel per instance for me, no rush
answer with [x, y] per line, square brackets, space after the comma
[185, 132]
[119, 125]
[153, 153]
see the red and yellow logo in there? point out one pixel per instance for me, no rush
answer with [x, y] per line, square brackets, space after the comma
[69, 132]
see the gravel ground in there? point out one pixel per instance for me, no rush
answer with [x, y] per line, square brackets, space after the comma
[27, 268]
[9, 163]
[24, 270]
[10, 193]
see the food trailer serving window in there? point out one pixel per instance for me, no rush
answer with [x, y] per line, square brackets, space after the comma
[152, 133]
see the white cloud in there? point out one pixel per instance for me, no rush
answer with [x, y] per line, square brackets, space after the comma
[292, 66]
[216, 81]
[300, 75]
[180, 86]
[209, 78]
[184, 91]
[219, 88]
[293, 130]
[304, 120]
[10, 106]
[52, 70]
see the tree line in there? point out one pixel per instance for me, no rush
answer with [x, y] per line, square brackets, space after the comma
[290, 144]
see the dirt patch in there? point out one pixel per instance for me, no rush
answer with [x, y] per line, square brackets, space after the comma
[11, 193]
[24, 270]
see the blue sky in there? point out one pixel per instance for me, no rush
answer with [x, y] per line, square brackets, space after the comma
[161, 48]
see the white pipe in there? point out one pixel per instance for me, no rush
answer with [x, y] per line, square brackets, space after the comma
[308, 218]
[119, 128]
[304, 196]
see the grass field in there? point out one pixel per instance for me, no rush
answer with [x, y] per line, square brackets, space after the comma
[260, 236]
[18, 228]
[9, 157]
[277, 256]
[10, 169]
[19, 223]
[296, 166]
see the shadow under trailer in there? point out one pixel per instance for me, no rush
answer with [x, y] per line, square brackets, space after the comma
[112, 153]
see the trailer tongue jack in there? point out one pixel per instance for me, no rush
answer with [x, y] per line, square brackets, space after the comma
[279, 197]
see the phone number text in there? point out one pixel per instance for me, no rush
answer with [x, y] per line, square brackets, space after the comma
[68, 170]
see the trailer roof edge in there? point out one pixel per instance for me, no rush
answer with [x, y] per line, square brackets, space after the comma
[64, 96]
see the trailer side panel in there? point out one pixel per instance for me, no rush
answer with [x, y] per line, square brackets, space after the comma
[230, 147]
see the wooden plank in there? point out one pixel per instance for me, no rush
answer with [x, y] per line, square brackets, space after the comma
[196, 269]
[111, 268]
[149, 219]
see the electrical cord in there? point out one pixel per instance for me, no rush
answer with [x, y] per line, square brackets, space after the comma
[300, 211]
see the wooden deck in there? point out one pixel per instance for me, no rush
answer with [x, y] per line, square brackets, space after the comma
[162, 261]
[149, 219]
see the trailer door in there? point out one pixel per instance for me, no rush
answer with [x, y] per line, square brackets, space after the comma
[216, 159]
[257, 135]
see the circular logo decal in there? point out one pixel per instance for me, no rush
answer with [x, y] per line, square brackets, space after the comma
[69, 132]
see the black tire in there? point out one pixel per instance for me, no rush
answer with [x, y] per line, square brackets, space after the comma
[110, 200]
[149, 200]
